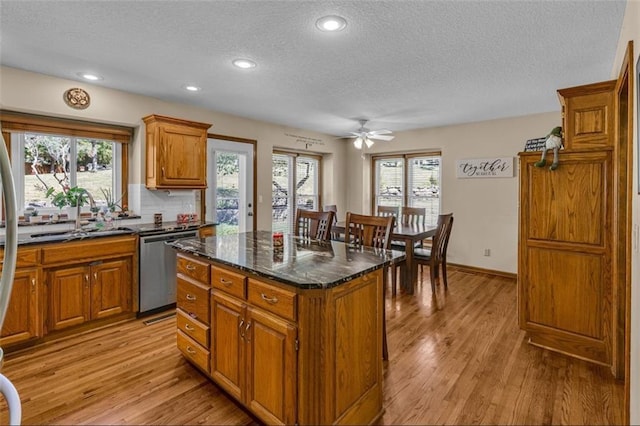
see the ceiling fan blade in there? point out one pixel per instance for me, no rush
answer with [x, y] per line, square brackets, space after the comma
[355, 134]
[380, 132]
[381, 137]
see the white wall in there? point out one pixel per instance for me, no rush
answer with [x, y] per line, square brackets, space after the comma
[485, 210]
[631, 31]
[39, 94]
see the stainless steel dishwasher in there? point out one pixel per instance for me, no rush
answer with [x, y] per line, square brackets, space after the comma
[158, 271]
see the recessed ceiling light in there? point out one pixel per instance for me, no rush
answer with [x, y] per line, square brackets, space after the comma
[244, 63]
[191, 88]
[331, 23]
[89, 76]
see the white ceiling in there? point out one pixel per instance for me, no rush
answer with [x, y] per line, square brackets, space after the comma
[401, 64]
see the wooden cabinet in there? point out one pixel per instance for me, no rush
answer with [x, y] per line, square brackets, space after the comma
[253, 350]
[23, 320]
[89, 280]
[567, 237]
[588, 115]
[193, 310]
[290, 355]
[175, 153]
[83, 293]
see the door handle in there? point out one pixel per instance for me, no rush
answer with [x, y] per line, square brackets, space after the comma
[250, 214]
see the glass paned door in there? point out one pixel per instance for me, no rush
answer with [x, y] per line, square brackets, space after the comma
[230, 186]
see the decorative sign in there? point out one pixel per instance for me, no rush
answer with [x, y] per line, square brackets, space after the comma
[307, 141]
[77, 98]
[535, 144]
[495, 167]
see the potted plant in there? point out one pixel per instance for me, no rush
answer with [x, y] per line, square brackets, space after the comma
[112, 203]
[74, 197]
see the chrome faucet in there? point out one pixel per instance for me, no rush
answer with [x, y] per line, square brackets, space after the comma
[92, 205]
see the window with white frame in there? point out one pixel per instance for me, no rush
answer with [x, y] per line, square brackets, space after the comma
[411, 180]
[296, 184]
[67, 154]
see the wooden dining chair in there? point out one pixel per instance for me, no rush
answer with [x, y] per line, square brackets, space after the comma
[413, 216]
[388, 211]
[436, 255]
[313, 224]
[372, 231]
[333, 208]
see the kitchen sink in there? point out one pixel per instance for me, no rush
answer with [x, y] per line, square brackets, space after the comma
[78, 233]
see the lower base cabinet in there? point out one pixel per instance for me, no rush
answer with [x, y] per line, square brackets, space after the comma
[84, 293]
[58, 286]
[23, 320]
[290, 356]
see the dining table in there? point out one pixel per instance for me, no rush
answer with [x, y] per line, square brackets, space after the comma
[409, 234]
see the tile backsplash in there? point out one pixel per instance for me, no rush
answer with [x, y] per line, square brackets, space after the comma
[145, 202]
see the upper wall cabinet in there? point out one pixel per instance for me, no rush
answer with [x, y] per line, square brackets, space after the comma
[587, 113]
[176, 153]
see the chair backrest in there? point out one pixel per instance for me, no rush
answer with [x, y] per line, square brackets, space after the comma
[369, 231]
[414, 216]
[441, 238]
[313, 224]
[388, 211]
[332, 208]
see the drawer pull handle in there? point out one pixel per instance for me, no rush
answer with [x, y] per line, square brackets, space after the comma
[191, 297]
[188, 327]
[190, 267]
[273, 300]
[241, 329]
[191, 350]
[226, 283]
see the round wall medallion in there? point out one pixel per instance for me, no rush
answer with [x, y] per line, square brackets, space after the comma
[77, 98]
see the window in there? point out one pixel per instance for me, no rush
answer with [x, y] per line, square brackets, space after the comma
[296, 183]
[51, 153]
[411, 180]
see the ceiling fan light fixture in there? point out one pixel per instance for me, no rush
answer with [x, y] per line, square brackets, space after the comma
[358, 143]
[331, 23]
[368, 142]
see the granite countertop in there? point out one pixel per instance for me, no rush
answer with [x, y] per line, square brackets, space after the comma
[90, 231]
[303, 263]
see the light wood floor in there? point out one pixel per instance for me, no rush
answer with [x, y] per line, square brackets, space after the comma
[458, 358]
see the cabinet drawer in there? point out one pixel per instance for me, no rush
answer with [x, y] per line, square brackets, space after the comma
[193, 351]
[192, 328]
[193, 268]
[25, 257]
[228, 281]
[273, 299]
[193, 299]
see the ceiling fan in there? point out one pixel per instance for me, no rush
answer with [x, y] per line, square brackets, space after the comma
[367, 136]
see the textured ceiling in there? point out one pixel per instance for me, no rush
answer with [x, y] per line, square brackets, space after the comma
[401, 64]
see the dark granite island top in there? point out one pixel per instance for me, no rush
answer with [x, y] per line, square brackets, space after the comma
[303, 263]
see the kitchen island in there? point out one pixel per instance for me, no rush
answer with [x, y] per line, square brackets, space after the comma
[295, 335]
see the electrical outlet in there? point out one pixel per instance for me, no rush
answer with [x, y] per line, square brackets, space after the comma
[487, 252]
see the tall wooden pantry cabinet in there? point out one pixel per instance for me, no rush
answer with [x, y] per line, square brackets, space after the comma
[566, 273]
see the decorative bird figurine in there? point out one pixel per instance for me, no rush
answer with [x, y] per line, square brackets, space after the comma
[554, 142]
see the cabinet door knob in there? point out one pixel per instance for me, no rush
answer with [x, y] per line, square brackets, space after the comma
[95, 276]
[33, 284]
[241, 329]
[163, 172]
